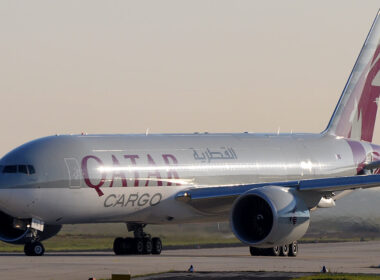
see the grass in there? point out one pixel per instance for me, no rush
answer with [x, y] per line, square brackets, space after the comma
[68, 242]
[93, 237]
[86, 242]
[330, 239]
[338, 276]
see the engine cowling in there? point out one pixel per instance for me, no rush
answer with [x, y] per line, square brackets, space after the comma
[269, 216]
[18, 235]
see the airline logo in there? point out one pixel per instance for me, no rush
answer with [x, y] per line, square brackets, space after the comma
[96, 174]
[357, 117]
[364, 121]
[143, 170]
[357, 120]
[132, 200]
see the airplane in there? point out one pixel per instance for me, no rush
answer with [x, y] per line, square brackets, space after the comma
[265, 185]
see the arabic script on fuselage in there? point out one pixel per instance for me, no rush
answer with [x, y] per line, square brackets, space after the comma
[208, 155]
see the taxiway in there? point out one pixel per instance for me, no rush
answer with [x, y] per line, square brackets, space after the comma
[350, 257]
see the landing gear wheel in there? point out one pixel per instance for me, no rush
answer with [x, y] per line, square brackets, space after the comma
[139, 246]
[157, 246]
[275, 251]
[293, 249]
[147, 246]
[141, 243]
[254, 251]
[27, 249]
[128, 245]
[38, 249]
[284, 250]
[119, 246]
[34, 249]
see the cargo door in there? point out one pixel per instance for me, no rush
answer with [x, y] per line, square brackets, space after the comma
[74, 173]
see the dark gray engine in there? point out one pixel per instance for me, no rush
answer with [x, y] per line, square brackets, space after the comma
[269, 216]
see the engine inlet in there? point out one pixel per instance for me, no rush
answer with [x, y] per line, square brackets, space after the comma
[252, 218]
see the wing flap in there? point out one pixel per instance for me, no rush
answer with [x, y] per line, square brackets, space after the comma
[372, 165]
[340, 183]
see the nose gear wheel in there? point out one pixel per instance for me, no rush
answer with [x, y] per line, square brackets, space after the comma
[34, 249]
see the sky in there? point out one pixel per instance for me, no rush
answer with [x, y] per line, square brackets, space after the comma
[174, 66]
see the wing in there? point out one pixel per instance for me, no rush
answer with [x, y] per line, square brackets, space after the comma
[218, 200]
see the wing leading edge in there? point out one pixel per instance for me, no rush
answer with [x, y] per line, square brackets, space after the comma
[218, 200]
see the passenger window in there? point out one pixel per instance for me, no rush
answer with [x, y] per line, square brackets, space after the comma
[31, 169]
[22, 169]
[10, 169]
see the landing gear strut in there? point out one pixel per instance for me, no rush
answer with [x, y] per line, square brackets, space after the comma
[290, 250]
[33, 247]
[141, 244]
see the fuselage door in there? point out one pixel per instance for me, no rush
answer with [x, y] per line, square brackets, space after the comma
[74, 173]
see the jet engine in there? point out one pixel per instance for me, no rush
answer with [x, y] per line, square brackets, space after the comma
[15, 231]
[269, 216]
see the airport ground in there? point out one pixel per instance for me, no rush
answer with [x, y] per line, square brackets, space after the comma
[347, 257]
[100, 237]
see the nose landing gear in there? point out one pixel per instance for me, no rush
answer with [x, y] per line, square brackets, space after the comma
[141, 244]
[33, 247]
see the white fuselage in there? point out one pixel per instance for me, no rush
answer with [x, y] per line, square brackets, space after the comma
[134, 178]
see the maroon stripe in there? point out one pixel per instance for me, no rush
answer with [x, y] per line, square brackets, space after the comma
[358, 153]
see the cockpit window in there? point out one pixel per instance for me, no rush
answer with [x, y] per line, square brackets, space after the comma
[31, 169]
[21, 168]
[10, 169]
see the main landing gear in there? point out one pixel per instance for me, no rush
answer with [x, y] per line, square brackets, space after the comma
[141, 244]
[33, 247]
[290, 250]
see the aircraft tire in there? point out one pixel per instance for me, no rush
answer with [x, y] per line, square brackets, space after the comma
[27, 249]
[139, 246]
[156, 246]
[293, 249]
[129, 244]
[38, 249]
[119, 246]
[284, 250]
[275, 251]
[265, 251]
[254, 251]
[34, 249]
[147, 246]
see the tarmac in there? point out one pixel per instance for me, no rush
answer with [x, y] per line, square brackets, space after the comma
[348, 257]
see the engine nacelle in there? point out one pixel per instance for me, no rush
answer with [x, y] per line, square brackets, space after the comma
[269, 216]
[17, 234]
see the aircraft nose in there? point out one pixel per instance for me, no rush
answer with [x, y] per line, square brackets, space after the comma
[5, 193]
[4, 199]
